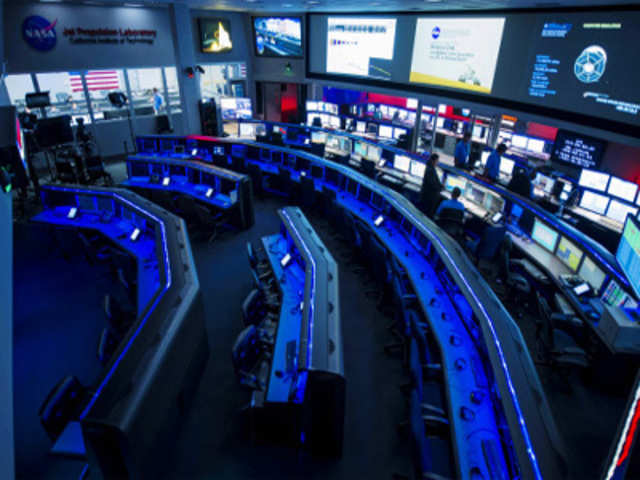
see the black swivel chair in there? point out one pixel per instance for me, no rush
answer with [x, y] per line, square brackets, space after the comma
[96, 171]
[368, 167]
[487, 247]
[307, 193]
[317, 122]
[555, 347]
[285, 184]
[248, 356]
[208, 222]
[256, 179]
[65, 172]
[517, 287]
[451, 220]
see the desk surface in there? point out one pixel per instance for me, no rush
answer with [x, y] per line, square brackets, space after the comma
[182, 185]
[291, 281]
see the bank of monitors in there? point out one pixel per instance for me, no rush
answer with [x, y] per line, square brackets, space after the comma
[593, 179]
[622, 189]
[506, 166]
[628, 254]
[402, 163]
[418, 168]
[440, 122]
[618, 211]
[594, 202]
[544, 235]
[569, 253]
[385, 131]
[592, 274]
[236, 108]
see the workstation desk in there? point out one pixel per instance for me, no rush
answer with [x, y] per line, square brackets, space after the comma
[305, 391]
[215, 187]
[132, 413]
[481, 345]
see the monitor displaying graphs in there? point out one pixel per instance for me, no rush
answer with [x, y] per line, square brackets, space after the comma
[457, 53]
[361, 46]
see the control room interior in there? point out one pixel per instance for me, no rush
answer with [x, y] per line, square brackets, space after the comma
[247, 239]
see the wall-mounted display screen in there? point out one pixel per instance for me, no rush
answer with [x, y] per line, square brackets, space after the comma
[577, 150]
[278, 36]
[361, 46]
[215, 35]
[457, 53]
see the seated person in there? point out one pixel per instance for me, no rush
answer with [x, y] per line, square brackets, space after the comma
[452, 204]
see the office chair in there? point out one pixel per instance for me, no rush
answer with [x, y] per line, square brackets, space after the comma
[95, 170]
[307, 193]
[368, 167]
[451, 220]
[63, 404]
[489, 243]
[258, 264]
[208, 222]
[186, 208]
[517, 285]
[95, 249]
[418, 332]
[255, 311]
[255, 172]
[317, 122]
[65, 172]
[247, 355]
[555, 347]
[317, 149]
[163, 125]
[284, 183]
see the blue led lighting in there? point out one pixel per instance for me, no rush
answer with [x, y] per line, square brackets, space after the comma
[142, 322]
[313, 284]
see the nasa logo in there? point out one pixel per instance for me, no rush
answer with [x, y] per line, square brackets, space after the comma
[39, 33]
[435, 33]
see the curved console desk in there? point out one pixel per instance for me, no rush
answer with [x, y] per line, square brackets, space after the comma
[481, 347]
[304, 397]
[133, 411]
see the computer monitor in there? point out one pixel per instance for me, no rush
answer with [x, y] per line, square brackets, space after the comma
[384, 110]
[453, 181]
[139, 169]
[418, 168]
[628, 254]
[593, 179]
[311, 117]
[519, 141]
[360, 148]
[478, 131]
[377, 201]
[484, 156]
[227, 185]
[312, 106]
[493, 203]
[385, 131]
[535, 145]
[622, 189]
[618, 211]
[594, 202]
[374, 153]
[401, 162]
[247, 130]
[569, 253]
[440, 122]
[361, 127]
[506, 166]
[544, 183]
[590, 273]
[544, 235]
[334, 121]
[318, 137]
[398, 132]
[476, 195]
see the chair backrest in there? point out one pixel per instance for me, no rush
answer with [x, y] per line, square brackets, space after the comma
[252, 311]
[317, 122]
[505, 257]
[543, 322]
[452, 215]
[380, 261]
[307, 186]
[368, 167]
[61, 406]
[204, 216]
[491, 241]
[246, 350]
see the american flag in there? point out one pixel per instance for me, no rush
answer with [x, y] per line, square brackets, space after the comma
[96, 80]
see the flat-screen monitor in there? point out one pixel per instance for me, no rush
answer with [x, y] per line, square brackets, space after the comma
[622, 189]
[577, 150]
[594, 180]
[478, 131]
[236, 108]
[628, 254]
[484, 156]
[215, 35]
[535, 145]
[453, 181]
[374, 152]
[618, 211]
[401, 162]
[506, 166]
[594, 202]
[418, 168]
[361, 127]
[385, 131]
[278, 36]
[544, 182]
[591, 273]
[440, 122]
[384, 110]
[398, 132]
[312, 106]
[318, 137]
[519, 141]
[247, 130]
[569, 253]
[544, 235]
[334, 121]
[52, 131]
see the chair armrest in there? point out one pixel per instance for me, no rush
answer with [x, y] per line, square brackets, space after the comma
[434, 409]
[572, 351]
[435, 420]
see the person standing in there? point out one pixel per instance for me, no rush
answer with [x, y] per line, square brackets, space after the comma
[492, 168]
[431, 187]
[461, 154]
[157, 100]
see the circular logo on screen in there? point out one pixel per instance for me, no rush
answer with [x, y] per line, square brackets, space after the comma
[435, 33]
[590, 64]
[39, 33]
